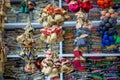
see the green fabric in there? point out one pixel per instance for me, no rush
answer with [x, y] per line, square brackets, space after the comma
[23, 4]
[98, 77]
[24, 7]
[106, 63]
[117, 0]
[26, 10]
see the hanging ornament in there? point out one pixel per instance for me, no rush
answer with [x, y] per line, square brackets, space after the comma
[52, 18]
[83, 25]
[76, 5]
[53, 65]
[28, 53]
[78, 60]
[52, 35]
[53, 15]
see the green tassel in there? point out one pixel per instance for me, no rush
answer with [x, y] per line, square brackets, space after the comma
[26, 10]
[22, 9]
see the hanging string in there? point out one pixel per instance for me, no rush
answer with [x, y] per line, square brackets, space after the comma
[53, 1]
[28, 19]
[53, 4]
[3, 4]
[51, 46]
[28, 16]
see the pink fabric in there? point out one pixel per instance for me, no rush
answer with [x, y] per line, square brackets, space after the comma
[77, 63]
[82, 68]
[67, 1]
[77, 53]
[74, 7]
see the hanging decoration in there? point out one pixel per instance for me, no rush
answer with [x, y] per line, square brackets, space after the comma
[28, 53]
[3, 58]
[83, 25]
[52, 35]
[106, 29]
[76, 5]
[53, 65]
[52, 15]
[52, 18]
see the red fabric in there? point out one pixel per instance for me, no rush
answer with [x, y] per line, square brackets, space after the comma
[78, 66]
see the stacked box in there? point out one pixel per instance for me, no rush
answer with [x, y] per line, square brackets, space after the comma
[95, 41]
[105, 69]
[69, 40]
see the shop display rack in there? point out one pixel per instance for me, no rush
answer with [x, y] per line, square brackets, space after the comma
[66, 24]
